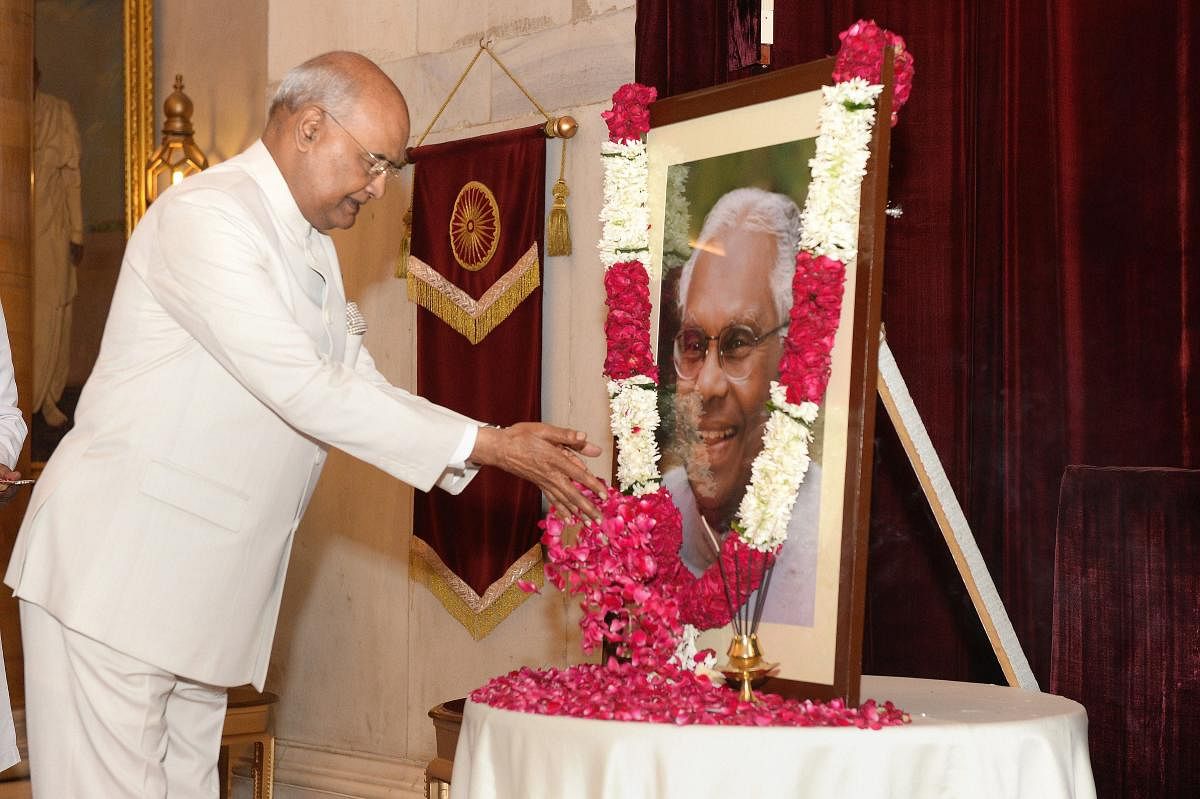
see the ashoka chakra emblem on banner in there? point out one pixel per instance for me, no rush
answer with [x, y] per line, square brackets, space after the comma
[474, 226]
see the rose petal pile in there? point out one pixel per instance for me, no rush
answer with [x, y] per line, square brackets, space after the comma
[620, 692]
[635, 591]
[613, 565]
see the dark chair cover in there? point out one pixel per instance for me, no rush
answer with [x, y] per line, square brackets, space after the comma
[1127, 624]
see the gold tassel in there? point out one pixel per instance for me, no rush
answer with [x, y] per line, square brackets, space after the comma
[558, 226]
[405, 245]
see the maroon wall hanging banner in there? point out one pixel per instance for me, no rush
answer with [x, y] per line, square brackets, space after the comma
[475, 271]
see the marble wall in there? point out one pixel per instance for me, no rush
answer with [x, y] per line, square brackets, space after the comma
[362, 652]
[220, 48]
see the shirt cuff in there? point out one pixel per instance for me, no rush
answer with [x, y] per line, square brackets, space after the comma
[460, 471]
[463, 451]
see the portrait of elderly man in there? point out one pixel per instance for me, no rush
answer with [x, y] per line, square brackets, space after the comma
[735, 293]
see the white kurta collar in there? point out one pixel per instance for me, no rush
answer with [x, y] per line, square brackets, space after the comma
[318, 271]
[258, 161]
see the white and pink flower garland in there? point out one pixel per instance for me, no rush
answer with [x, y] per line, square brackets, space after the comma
[828, 247]
[626, 569]
[828, 244]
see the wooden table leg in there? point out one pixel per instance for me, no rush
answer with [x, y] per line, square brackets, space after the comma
[224, 774]
[263, 770]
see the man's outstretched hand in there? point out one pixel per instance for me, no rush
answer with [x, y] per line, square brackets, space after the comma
[548, 457]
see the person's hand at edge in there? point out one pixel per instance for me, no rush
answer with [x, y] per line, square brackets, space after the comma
[10, 491]
[548, 457]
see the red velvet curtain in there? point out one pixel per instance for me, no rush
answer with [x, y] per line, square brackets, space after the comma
[1040, 292]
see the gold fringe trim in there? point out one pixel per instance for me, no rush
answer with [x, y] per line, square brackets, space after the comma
[478, 614]
[474, 319]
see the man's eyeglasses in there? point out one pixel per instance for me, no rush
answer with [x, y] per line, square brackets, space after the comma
[376, 164]
[735, 344]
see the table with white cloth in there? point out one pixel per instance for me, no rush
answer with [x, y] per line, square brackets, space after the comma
[965, 740]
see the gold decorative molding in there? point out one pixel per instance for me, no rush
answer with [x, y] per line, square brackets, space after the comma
[139, 105]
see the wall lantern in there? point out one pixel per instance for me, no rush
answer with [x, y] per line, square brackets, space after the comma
[178, 156]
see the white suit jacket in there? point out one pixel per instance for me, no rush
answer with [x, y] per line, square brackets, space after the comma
[163, 522]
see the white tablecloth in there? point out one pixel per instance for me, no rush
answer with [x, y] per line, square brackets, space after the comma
[966, 740]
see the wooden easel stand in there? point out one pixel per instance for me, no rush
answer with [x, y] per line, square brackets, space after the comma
[953, 524]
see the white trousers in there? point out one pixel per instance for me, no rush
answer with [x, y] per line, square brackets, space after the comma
[104, 725]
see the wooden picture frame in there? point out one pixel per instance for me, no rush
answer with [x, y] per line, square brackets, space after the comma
[138, 26]
[820, 660]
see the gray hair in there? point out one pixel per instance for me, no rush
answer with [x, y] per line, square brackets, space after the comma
[762, 212]
[318, 81]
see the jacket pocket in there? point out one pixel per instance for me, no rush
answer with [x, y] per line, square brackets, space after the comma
[193, 493]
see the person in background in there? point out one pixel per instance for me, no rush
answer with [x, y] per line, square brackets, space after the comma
[57, 246]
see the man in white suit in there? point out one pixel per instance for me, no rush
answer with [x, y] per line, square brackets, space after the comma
[152, 558]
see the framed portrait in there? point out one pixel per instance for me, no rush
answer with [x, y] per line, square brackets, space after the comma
[729, 171]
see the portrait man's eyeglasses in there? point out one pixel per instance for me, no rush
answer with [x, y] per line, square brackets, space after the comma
[735, 345]
[376, 164]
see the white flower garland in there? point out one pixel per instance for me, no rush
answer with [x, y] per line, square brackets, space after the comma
[625, 236]
[634, 418]
[626, 232]
[777, 472]
[829, 223]
[830, 228]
